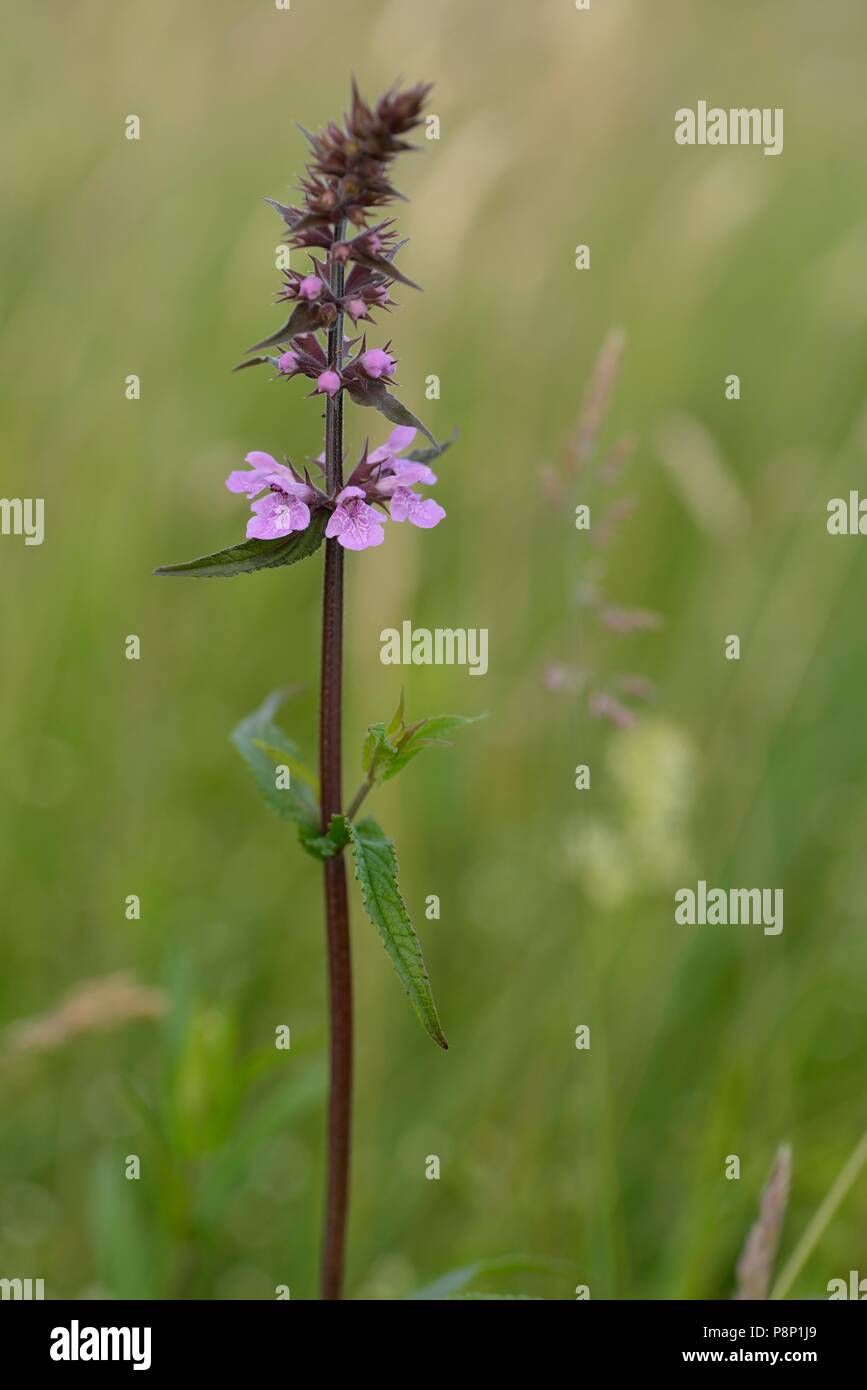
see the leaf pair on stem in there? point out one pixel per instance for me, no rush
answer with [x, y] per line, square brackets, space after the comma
[291, 790]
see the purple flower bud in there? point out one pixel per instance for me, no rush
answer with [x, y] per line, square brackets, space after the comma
[287, 362]
[329, 382]
[356, 308]
[376, 363]
[310, 287]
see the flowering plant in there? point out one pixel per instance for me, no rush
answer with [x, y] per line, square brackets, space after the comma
[351, 276]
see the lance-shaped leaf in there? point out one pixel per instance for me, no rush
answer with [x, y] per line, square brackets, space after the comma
[263, 745]
[304, 317]
[376, 871]
[428, 455]
[249, 556]
[373, 393]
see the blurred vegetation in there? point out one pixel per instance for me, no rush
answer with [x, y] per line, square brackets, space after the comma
[117, 777]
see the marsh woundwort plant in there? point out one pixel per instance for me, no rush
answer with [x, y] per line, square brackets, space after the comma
[351, 275]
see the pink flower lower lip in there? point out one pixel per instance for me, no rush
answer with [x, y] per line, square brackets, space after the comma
[407, 505]
[276, 515]
[355, 525]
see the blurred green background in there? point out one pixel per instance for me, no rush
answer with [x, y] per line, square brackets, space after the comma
[157, 258]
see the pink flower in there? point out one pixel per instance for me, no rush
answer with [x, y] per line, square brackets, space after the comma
[407, 505]
[356, 308]
[400, 438]
[284, 508]
[264, 472]
[310, 287]
[356, 525]
[394, 481]
[287, 362]
[376, 363]
[329, 382]
[384, 478]
[404, 473]
[278, 514]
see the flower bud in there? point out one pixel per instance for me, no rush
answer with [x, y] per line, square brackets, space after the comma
[376, 363]
[329, 382]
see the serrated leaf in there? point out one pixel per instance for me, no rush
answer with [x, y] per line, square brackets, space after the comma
[294, 802]
[376, 871]
[429, 733]
[374, 394]
[326, 846]
[254, 555]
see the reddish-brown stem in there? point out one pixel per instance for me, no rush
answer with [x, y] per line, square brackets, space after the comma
[336, 903]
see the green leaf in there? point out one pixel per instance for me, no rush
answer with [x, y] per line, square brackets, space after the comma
[430, 733]
[376, 871]
[374, 394]
[453, 1283]
[203, 1088]
[254, 555]
[326, 846]
[295, 765]
[126, 1242]
[395, 724]
[285, 1105]
[377, 751]
[252, 737]
[428, 455]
